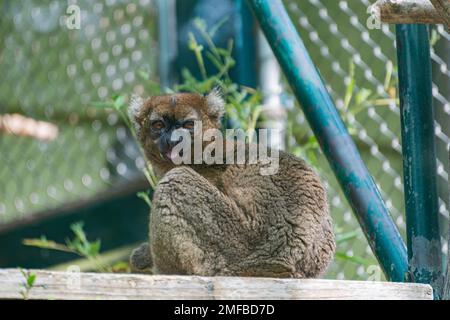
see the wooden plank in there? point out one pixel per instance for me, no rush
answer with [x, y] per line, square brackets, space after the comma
[406, 11]
[66, 285]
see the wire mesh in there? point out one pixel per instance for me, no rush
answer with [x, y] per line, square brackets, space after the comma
[54, 74]
[337, 34]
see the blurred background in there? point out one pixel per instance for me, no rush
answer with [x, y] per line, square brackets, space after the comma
[79, 162]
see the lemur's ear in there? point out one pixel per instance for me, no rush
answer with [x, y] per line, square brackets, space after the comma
[216, 104]
[133, 111]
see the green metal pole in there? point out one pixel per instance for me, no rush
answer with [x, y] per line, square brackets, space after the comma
[239, 26]
[164, 46]
[419, 158]
[336, 143]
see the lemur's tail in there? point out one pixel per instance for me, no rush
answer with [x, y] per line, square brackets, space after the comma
[141, 259]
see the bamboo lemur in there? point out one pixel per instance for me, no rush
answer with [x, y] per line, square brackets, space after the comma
[227, 219]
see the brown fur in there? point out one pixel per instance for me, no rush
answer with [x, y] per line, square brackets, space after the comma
[229, 219]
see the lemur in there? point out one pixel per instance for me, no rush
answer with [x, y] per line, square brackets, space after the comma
[226, 219]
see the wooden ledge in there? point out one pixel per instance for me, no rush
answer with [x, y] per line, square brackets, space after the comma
[412, 11]
[68, 285]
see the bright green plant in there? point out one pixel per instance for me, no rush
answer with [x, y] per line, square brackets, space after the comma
[356, 100]
[243, 104]
[341, 239]
[78, 245]
[27, 285]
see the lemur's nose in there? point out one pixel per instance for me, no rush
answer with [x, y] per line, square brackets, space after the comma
[173, 142]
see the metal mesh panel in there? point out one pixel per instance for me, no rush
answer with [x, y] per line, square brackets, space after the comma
[54, 74]
[335, 33]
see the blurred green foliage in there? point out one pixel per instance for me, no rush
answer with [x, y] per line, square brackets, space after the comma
[78, 245]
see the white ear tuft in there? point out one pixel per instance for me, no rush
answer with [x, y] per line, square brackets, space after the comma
[216, 104]
[133, 110]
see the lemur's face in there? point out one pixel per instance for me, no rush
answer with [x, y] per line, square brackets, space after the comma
[164, 120]
[158, 117]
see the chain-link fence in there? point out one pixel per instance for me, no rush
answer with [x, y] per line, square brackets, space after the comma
[339, 34]
[54, 74]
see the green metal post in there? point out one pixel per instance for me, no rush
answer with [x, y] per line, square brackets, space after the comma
[245, 47]
[336, 143]
[419, 158]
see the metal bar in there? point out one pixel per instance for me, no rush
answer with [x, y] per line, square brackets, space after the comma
[419, 158]
[166, 41]
[245, 47]
[446, 289]
[336, 143]
[117, 217]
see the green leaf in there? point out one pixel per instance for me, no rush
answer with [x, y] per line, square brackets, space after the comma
[200, 24]
[193, 44]
[216, 62]
[217, 26]
[77, 229]
[350, 86]
[344, 237]
[435, 37]
[94, 248]
[143, 75]
[119, 102]
[354, 259]
[144, 196]
[43, 243]
[389, 72]
[362, 96]
[31, 279]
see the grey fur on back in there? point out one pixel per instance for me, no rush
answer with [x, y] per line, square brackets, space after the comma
[242, 224]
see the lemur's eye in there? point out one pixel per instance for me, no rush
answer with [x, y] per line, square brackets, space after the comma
[157, 125]
[189, 124]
